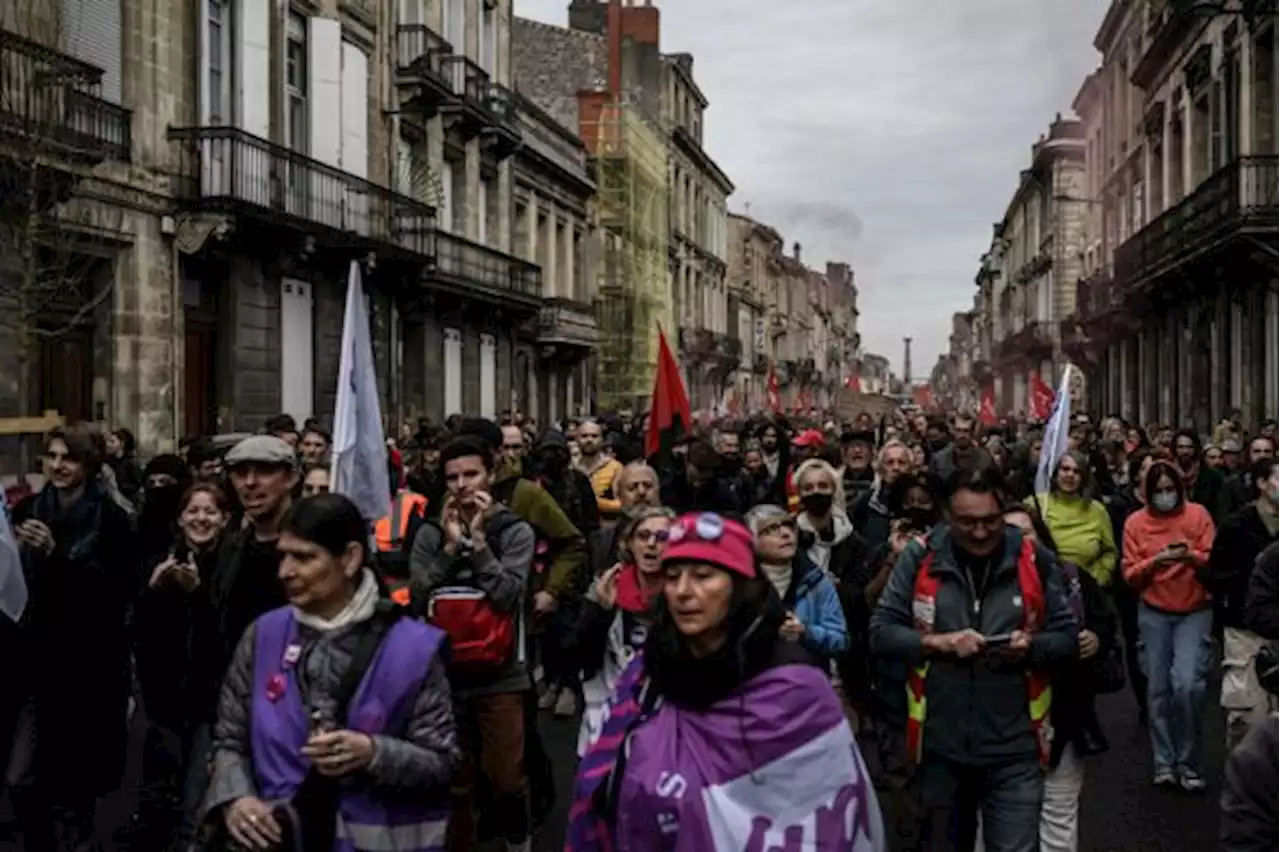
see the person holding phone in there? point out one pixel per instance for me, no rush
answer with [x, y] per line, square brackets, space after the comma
[173, 627]
[1166, 549]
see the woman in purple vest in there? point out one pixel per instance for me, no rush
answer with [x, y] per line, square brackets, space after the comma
[721, 736]
[291, 768]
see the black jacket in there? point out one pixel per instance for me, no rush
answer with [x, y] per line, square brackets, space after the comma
[1261, 613]
[1236, 546]
[1249, 789]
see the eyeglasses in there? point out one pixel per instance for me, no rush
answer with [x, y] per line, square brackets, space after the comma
[650, 536]
[777, 528]
[991, 523]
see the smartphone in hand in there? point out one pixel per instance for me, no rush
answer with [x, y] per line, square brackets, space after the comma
[998, 640]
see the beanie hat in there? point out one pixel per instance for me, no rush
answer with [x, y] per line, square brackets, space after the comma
[710, 538]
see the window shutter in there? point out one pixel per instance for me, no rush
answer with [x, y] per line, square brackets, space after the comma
[324, 99]
[253, 66]
[202, 83]
[90, 30]
[355, 110]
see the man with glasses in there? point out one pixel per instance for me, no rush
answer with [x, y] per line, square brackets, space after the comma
[979, 615]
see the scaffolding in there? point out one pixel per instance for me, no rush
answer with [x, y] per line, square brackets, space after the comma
[633, 289]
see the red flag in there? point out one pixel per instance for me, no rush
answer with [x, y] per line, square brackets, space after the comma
[669, 415]
[1040, 397]
[854, 382]
[987, 410]
[923, 396]
[774, 398]
[735, 404]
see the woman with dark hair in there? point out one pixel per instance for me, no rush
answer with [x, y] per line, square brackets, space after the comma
[719, 734]
[122, 458]
[80, 558]
[1166, 548]
[1077, 732]
[174, 632]
[335, 725]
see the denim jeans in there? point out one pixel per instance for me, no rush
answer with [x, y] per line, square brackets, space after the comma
[175, 774]
[1008, 797]
[1175, 651]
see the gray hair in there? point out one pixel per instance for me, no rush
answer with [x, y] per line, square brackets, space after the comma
[634, 520]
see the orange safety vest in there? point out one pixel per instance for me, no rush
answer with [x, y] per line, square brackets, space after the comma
[1039, 693]
[390, 530]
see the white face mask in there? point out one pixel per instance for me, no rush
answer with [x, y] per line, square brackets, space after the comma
[1165, 501]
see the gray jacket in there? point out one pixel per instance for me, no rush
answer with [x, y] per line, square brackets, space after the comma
[501, 571]
[977, 707]
[420, 758]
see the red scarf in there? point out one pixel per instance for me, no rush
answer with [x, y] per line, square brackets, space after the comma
[631, 594]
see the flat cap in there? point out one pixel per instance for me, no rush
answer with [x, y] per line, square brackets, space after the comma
[261, 449]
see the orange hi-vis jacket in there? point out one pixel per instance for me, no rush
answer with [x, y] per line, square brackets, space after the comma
[391, 530]
[1039, 694]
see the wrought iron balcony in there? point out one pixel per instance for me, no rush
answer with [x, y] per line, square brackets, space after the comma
[421, 69]
[1034, 339]
[475, 270]
[1240, 199]
[567, 322]
[1168, 25]
[227, 170]
[50, 106]
[469, 83]
[502, 137]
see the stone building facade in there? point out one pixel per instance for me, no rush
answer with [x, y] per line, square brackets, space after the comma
[1039, 245]
[554, 228]
[239, 156]
[87, 330]
[710, 349]
[1177, 309]
[752, 279]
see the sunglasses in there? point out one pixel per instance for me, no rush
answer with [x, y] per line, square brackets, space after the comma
[650, 536]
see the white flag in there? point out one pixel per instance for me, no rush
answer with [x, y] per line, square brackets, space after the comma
[13, 584]
[359, 446]
[1056, 429]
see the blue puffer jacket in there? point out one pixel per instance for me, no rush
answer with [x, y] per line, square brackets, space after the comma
[813, 598]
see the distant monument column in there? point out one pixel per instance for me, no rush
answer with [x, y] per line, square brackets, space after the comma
[906, 362]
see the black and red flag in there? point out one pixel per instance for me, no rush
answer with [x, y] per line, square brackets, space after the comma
[669, 416]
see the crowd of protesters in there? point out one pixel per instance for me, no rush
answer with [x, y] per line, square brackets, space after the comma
[704, 611]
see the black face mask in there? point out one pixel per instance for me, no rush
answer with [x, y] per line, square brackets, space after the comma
[817, 505]
[939, 444]
[919, 518]
[730, 462]
[553, 463]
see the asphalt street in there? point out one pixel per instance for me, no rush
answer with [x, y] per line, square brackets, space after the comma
[1120, 811]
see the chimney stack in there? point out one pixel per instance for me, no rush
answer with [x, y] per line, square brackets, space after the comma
[795, 249]
[906, 361]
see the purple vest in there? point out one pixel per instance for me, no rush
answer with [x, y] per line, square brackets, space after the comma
[367, 821]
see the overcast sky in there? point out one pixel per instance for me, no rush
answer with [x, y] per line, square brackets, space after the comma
[888, 133]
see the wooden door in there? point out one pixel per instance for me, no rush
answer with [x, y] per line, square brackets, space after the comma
[199, 375]
[66, 375]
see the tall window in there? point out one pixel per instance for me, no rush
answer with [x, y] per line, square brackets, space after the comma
[295, 84]
[489, 42]
[1264, 93]
[219, 63]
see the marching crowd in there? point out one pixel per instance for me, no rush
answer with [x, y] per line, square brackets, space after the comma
[777, 633]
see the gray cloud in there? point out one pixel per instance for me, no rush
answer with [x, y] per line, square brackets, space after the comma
[887, 133]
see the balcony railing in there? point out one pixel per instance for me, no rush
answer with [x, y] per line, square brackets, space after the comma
[469, 264]
[1240, 196]
[567, 321]
[49, 102]
[466, 79]
[420, 50]
[227, 169]
[1166, 29]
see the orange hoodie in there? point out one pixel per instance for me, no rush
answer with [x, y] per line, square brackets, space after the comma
[1172, 587]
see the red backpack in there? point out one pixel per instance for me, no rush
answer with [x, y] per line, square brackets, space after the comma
[481, 637]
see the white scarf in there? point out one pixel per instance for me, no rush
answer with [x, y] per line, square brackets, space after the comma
[820, 552]
[780, 576]
[359, 608]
